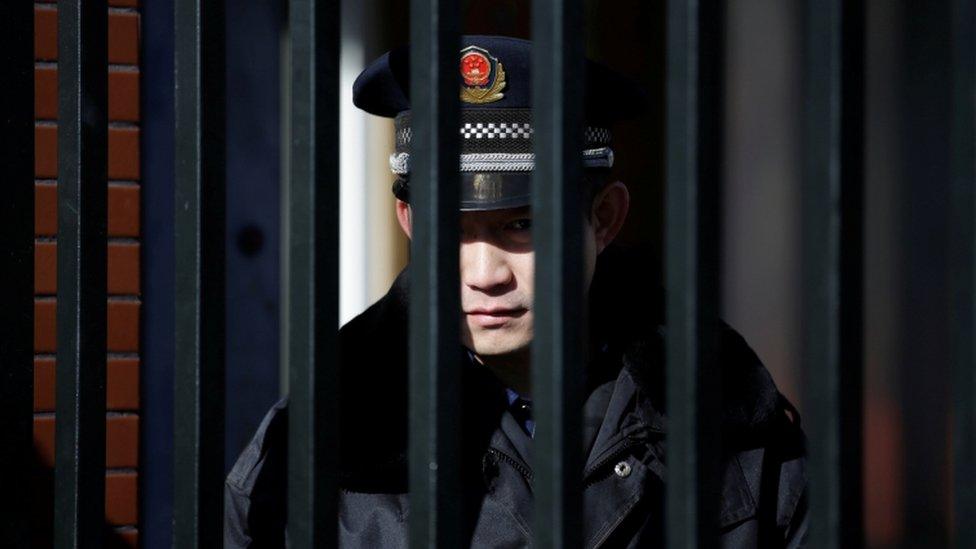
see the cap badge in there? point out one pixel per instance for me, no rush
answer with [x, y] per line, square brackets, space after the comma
[483, 76]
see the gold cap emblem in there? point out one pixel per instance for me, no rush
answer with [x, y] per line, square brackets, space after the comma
[483, 76]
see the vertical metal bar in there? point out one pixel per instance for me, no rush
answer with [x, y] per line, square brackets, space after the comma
[435, 301]
[694, 131]
[312, 309]
[199, 226]
[17, 243]
[963, 266]
[79, 478]
[832, 236]
[559, 342]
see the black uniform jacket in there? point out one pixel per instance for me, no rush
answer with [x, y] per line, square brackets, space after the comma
[763, 495]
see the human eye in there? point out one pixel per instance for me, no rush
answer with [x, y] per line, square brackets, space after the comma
[521, 224]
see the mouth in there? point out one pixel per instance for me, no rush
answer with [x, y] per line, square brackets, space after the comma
[489, 318]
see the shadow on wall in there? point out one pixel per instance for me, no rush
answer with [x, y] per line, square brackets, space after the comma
[42, 502]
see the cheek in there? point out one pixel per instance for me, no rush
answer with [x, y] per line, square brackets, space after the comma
[524, 267]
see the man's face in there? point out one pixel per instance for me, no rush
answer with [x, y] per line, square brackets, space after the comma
[497, 267]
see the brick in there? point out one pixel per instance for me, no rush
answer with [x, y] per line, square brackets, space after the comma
[123, 326]
[122, 387]
[123, 94]
[123, 209]
[45, 33]
[121, 440]
[126, 538]
[123, 36]
[120, 498]
[45, 336]
[123, 152]
[123, 268]
[121, 391]
[43, 384]
[46, 209]
[46, 151]
[45, 93]
[45, 268]
[44, 439]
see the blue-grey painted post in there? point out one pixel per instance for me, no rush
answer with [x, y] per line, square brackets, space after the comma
[694, 153]
[198, 398]
[312, 274]
[832, 238]
[435, 353]
[17, 262]
[559, 342]
[79, 477]
[963, 265]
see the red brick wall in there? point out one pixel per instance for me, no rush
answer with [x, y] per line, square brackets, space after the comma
[122, 419]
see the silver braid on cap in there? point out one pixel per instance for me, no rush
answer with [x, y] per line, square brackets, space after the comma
[601, 157]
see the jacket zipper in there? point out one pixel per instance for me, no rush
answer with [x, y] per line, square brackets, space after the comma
[514, 463]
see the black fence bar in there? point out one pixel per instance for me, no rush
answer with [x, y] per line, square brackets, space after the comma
[832, 237]
[17, 243]
[963, 264]
[559, 341]
[694, 379]
[312, 309]
[435, 301]
[199, 226]
[79, 477]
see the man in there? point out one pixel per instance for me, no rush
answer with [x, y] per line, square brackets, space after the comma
[763, 481]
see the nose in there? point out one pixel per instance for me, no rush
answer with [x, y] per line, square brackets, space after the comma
[483, 267]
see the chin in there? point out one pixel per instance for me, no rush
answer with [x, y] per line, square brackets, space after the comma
[488, 345]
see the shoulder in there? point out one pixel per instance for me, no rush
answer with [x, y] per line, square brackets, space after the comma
[764, 478]
[271, 434]
[770, 479]
[382, 325]
[372, 354]
[255, 486]
[765, 447]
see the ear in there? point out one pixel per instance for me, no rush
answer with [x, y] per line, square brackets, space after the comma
[608, 213]
[403, 216]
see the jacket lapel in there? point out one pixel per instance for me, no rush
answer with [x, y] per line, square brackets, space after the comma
[624, 466]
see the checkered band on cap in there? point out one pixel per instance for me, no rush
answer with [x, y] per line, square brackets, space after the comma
[495, 131]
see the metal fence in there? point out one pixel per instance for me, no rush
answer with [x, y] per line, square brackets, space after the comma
[832, 242]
